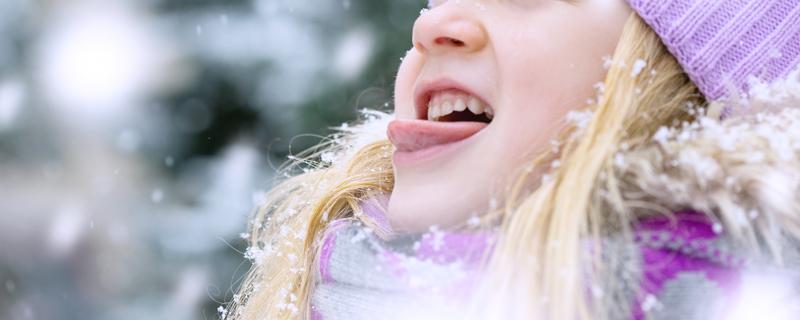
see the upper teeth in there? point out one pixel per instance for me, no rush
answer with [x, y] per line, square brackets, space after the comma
[444, 103]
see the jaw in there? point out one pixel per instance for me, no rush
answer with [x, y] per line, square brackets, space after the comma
[420, 201]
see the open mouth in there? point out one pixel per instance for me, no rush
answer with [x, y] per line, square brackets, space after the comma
[454, 105]
[445, 116]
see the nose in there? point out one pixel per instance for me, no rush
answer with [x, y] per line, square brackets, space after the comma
[448, 28]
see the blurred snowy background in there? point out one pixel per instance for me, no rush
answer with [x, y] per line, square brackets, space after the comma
[136, 135]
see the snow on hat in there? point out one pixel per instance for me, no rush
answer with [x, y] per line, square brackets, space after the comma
[722, 43]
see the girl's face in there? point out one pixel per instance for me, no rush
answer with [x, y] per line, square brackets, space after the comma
[486, 86]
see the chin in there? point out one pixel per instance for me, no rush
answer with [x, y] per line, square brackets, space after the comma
[415, 209]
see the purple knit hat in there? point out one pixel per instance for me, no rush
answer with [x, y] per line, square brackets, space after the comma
[721, 43]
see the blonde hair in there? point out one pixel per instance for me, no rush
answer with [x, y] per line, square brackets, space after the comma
[583, 199]
[541, 230]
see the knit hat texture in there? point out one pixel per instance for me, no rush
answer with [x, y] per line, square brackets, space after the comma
[722, 43]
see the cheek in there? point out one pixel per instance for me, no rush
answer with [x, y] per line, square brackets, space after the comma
[529, 134]
[561, 77]
[404, 85]
[560, 65]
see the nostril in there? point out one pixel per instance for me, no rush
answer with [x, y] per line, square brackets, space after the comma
[450, 41]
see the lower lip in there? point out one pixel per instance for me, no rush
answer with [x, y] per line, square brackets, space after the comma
[410, 158]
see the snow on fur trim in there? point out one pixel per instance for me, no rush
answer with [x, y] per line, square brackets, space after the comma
[744, 171]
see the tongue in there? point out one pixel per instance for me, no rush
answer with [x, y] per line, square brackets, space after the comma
[413, 135]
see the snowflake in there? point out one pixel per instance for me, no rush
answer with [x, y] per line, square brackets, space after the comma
[662, 135]
[619, 160]
[717, 228]
[607, 62]
[650, 303]
[328, 157]
[638, 66]
[580, 118]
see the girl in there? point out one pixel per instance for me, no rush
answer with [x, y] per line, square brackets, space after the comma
[500, 194]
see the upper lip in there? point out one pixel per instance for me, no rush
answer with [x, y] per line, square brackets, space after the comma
[424, 91]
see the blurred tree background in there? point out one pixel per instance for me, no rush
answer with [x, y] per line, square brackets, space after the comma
[136, 137]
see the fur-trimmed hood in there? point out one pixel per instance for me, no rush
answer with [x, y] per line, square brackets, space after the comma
[743, 170]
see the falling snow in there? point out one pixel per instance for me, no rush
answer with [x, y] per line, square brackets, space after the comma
[157, 195]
